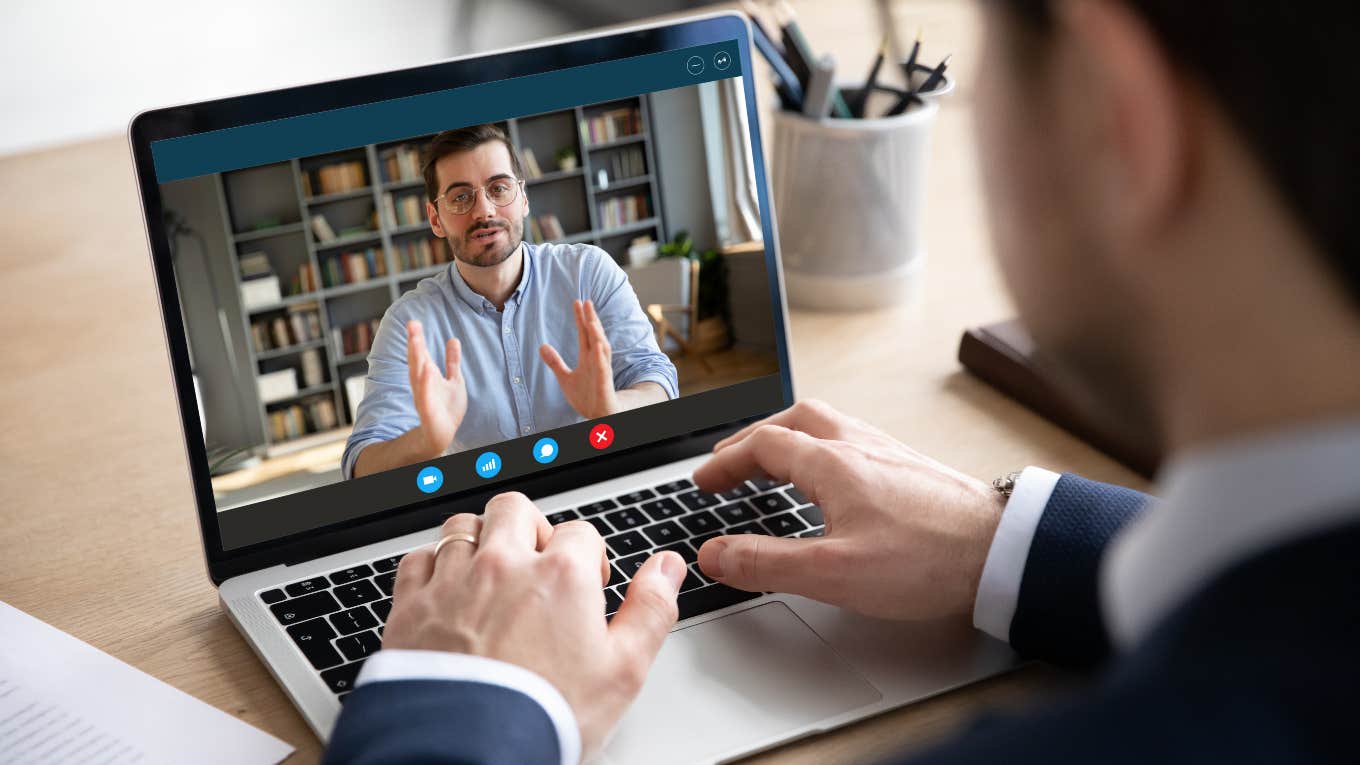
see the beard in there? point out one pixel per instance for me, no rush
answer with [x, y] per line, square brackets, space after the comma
[470, 249]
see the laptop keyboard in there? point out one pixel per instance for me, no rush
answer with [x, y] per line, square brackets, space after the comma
[337, 619]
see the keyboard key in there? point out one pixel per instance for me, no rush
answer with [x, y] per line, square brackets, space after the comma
[630, 565]
[812, 514]
[737, 512]
[352, 574]
[314, 638]
[387, 564]
[664, 533]
[600, 526]
[359, 646]
[737, 492]
[797, 495]
[355, 593]
[612, 601]
[702, 522]
[382, 608]
[627, 518]
[354, 620]
[634, 497]
[697, 500]
[615, 577]
[817, 532]
[691, 582]
[304, 608]
[272, 596]
[696, 571]
[765, 484]
[678, 485]
[627, 543]
[562, 516]
[683, 549]
[595, 508]
[663, 508]
[711, 598]
[773, 502]
[386, 582]
[784, 524]
[341, 679]
[298, 589]
[747, 528]
[698, 542]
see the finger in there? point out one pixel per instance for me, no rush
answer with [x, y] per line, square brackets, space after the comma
[413, 332]
[582, 333]
[554, 361]
[414, 571]
[514, 524]
[453, 357]
[454, 557]
[598, 338]
[579, 539]
[774, 451]
[759, 563]
[648, 613]
[810, 416]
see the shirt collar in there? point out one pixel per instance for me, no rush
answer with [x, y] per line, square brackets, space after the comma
[475, 301]
[1222, 505]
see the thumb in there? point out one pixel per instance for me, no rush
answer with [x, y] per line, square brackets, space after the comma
[554, 361]
[648, 611]
[759, 563]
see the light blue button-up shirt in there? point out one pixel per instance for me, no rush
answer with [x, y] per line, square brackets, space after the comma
[511, 392]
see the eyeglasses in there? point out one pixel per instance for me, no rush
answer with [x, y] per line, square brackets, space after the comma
[501, 192]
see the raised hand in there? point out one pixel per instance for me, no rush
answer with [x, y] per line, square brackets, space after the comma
[440, 396]
[589, 387]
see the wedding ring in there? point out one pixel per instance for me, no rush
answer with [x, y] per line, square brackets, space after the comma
[457, 536]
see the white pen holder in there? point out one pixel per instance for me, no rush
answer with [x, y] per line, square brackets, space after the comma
[849, 196]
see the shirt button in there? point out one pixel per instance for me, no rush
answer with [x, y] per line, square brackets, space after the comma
[507, 330]
[517, 381]
[525, 429]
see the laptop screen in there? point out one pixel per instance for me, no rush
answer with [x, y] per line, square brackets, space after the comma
[393, 303]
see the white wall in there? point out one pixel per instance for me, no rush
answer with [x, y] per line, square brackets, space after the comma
[80, 69]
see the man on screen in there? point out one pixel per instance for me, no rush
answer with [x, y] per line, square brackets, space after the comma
[511, 339]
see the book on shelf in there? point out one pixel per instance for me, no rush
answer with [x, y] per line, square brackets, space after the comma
[313, 369]
[255, 265]
[400, 163]
[299, 324]
[622, 210]
[304, 281]
[531, 168]
[322, 229]
[627, 163]
[311, 415]
[403, 210]
[355, 338]
[335, 178]
[612, 125]
[547, 228]
[422, 253]
[352, 267]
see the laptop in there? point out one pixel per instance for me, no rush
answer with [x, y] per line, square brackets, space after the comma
[285, 227]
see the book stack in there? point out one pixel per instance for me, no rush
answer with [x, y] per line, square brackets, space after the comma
[421, 253]
[401, 163]
[334, 178]
[613, 124]
[405, 210]
[311, 415]
[546, 228]
[300, 324]
[622, 210]
[628, 163]
[356, 338]
[352, 267]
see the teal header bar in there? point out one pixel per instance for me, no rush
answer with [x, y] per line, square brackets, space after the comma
[322, 132]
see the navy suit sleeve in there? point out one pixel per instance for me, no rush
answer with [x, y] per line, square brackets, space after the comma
[442, 722]
[1057, 614]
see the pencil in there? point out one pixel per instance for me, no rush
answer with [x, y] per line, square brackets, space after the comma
[862, 97]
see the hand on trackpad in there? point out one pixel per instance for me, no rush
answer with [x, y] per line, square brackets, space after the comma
[733, 682]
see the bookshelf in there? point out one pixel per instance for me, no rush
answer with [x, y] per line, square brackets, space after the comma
[376, 245]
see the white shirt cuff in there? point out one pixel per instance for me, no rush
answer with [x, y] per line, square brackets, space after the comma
[394, 664]
[999, 588]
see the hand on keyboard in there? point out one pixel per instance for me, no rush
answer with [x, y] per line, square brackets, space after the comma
[906, 537]
[529, 593]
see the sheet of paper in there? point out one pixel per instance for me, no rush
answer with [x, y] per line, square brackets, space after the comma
[64, 701]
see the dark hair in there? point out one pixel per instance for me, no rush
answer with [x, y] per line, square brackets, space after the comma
[1282, 71]
[462, 139]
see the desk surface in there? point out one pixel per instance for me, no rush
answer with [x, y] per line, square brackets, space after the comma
[100, 538]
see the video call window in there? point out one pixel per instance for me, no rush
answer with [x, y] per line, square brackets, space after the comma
[583, 262]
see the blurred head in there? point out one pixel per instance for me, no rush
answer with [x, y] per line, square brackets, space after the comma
[475, 194]
[1162, 173]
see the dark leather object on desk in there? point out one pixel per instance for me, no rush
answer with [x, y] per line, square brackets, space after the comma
[1002, 355]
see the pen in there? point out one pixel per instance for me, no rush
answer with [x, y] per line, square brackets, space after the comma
[862, 98]
[801, 58]
[817, 104]
[785, 82]
[910, 63]
[933, 81]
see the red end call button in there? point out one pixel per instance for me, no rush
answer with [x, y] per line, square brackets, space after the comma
[601, 436]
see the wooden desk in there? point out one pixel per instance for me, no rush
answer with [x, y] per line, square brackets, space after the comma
[98, 534]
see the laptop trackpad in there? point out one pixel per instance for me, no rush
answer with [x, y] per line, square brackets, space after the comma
[735, 682]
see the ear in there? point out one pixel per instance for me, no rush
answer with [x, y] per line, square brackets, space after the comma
[524, 201]
[1138, 117]
[436, 226]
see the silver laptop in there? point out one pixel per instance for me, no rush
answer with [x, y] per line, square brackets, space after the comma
[286, 226]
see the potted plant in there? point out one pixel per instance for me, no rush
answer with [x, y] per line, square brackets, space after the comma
[566, 159]
[710, 330]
